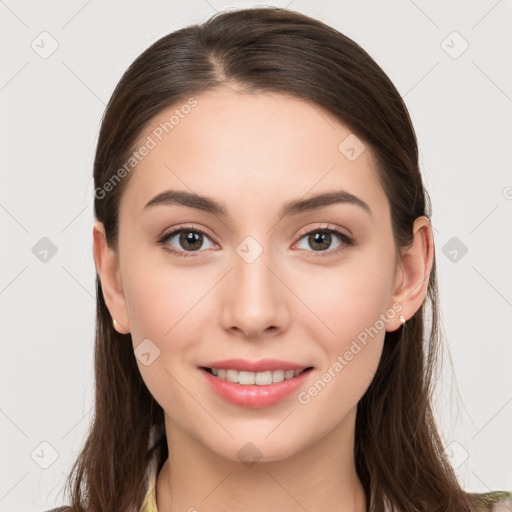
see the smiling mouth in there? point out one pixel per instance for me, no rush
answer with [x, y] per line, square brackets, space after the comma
[255, 378]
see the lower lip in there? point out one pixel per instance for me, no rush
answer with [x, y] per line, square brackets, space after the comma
[252, 395]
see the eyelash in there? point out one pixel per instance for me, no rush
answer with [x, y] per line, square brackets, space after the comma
[344, 238]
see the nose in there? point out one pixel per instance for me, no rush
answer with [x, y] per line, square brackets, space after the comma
[254, 301]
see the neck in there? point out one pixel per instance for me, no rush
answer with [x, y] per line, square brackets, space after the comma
[320, 477]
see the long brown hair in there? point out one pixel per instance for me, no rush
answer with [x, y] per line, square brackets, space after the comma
[398, 451]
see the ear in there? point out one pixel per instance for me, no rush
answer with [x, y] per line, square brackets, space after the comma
[107, 267]
[413, 272]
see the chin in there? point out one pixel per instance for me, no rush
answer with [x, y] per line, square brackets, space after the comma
[251, 451]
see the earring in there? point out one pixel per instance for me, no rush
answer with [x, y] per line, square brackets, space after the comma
[402, 319]
[114, 323]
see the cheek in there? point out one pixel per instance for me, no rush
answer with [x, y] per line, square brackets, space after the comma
[353, 323]
[349, 300]
[162, 298]
[163, 305]
[351, 312]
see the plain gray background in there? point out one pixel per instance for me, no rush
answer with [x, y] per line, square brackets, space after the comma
[60, 63]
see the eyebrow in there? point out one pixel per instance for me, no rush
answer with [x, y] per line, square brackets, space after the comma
[206, 204]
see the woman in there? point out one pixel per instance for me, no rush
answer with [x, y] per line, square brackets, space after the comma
[264, 257]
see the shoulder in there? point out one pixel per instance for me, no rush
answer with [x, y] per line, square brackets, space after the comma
[494, 501]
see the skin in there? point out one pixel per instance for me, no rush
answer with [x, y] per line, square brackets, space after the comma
[254, 152]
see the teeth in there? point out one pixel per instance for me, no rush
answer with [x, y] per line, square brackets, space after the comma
[258, 378]
[288, 374]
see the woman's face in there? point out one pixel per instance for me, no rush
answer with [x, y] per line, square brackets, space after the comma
[265, 280]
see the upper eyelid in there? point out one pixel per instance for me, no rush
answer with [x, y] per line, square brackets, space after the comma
[326, 227]
[184, 227]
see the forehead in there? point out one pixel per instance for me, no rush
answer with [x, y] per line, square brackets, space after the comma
[241, 147]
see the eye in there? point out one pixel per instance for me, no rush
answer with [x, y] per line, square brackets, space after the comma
[184, 240]
[321, 239]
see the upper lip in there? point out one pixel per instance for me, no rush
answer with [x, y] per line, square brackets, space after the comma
[263, 365]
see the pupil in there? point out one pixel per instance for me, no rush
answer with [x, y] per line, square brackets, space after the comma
[321, 238]
[191, 238]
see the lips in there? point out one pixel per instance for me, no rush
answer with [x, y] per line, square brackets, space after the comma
[262, 393]
[263, 365]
